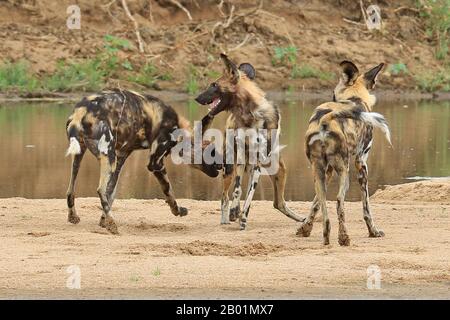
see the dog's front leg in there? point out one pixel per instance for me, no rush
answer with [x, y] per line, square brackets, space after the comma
[253, 182]
[237, 193]
[162, 148]
[228, 175]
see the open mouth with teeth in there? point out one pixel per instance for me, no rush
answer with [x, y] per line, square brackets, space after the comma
[213, 105]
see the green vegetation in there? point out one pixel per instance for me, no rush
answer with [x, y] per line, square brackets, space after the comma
[148, 76]
[86, 76]
[156, 272]
[81, 75]
[305, 71]
[398, 68]
[192, 80]
[287, 56]
[434, 80]
[437, 15]
[16, 76]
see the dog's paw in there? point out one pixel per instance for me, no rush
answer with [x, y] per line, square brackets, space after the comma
[234, 213]
[73, 217]
[376, 234]
[102, 222]
[304, 230]
[344, 239]
[182, 211]
[111, 226]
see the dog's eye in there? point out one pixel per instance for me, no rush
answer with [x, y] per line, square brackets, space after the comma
[214, 85]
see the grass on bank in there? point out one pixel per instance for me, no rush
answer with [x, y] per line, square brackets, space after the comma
[288, 57]
[437, 18]
[81, 75]
[434, 80]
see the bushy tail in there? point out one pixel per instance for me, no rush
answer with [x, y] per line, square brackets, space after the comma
[377, 120]
[74, 147]
[74, 128]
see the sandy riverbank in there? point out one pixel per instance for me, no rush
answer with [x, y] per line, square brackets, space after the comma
[158, 255]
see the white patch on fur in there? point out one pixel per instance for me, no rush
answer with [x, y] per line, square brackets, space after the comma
[372, 100]
[153, 147]
[320, 136]
[103, 145]
[74, 147]
[145, 144]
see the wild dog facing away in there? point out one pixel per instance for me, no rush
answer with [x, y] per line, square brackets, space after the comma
[112, 124]
[236, 93]
[337, 131]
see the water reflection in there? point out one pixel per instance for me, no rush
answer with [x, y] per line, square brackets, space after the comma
[33, 142]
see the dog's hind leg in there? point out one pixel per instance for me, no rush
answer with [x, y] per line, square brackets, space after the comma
[253, 182]
[237, 194]
[361, 167]
[161, 176]
[76, 161]
[228, 176]
[320, 187]
[342, 172]
[305, 229]
[279, 183]
[107, 164]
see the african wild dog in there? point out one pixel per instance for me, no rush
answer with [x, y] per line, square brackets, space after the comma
[112, 124]
[236, 93]
[337, 131]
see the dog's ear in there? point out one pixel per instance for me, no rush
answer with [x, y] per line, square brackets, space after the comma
[371, 76]
[249, 70]
[349, 72]
[230, 68]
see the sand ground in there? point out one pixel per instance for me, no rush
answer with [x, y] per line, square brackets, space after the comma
[158, 255]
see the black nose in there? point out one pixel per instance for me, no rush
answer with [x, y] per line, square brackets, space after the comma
[198, 99]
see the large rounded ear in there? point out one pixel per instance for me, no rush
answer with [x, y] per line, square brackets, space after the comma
[349, 72]
[371, 76]
[230, 68]
[249, 70]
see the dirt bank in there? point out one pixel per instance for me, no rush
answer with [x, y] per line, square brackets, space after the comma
[161, 256]
[436, 191]
[323, 33]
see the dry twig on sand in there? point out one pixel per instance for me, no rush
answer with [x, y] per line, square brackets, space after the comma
[150, 11]
[232, 18]
[240, 45]
[136, 26]
[363, 11]
[179, 5]
[406, 8]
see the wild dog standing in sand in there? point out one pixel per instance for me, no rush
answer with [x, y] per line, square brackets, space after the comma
[337, 131]
[112, 125]
[236, 93]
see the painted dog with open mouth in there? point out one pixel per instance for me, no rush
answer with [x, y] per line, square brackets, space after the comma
[114, 123]
[237, 93]
[338, 131]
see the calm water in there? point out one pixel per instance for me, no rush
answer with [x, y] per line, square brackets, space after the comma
[33, 143]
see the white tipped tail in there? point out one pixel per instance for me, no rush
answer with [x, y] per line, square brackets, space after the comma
[74, 147]
[377, 120]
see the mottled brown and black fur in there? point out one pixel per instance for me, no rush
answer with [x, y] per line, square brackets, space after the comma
[112, 124]
[237, 93]
[337, 132]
